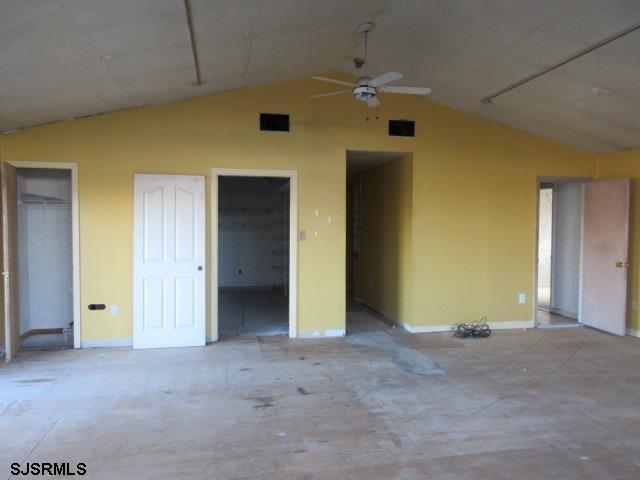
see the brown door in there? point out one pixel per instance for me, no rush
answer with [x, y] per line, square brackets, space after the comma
[10, 261]
[605, 255]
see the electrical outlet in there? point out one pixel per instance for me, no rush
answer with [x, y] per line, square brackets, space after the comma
[522, 298]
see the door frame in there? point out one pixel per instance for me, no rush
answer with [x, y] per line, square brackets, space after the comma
[292, 175]
[75, 233]
[551, 179]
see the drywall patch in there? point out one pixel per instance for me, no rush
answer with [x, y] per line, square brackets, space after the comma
[413, 361]
[408, 359]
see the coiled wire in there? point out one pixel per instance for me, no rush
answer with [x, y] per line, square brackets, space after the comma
[475, 329]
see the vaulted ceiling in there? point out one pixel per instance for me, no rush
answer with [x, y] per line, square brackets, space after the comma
[67, 58]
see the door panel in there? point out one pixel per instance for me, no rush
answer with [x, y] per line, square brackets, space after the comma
[185, 239]
[10, 260]
[169, 287]
[153, 313]
[185, 300]
[605, 255]
[153, 221]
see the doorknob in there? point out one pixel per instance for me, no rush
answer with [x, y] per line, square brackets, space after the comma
[622, 264]
[200, 268]
[6, 274]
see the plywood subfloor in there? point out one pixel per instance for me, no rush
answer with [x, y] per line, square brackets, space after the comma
[533, 404]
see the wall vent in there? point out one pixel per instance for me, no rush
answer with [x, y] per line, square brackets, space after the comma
[274, 122]
[402, 128]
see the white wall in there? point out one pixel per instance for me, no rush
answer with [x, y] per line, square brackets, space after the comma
[567, 227]
[253, 236]
[45, 252]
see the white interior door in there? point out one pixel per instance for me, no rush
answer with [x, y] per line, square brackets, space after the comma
[605, 255]
[169, 277]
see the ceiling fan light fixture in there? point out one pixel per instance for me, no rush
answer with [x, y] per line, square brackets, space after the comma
[367, 89]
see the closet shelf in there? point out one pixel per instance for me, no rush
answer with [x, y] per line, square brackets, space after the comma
[35, 199]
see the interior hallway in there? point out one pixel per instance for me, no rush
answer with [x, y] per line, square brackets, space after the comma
[522, 404]
[362, 319]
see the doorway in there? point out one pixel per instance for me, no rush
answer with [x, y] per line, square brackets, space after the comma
[40, 256]
[559, 253]
[45, 259]
[254, 253]
[379, 216]
[582, 250]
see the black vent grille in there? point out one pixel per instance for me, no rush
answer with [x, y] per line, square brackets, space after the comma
[274, 122]
[402, 128]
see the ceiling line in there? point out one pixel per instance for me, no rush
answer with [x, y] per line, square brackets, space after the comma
[249, 37]
[489, 98]
[192, 41]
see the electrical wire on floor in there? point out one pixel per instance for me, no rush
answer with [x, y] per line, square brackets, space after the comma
[476, 329]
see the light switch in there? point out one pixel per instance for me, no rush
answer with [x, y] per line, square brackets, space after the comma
[302, 235]
[113, 310]
[522, 298]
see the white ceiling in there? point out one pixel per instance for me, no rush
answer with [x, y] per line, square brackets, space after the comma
[67, 58]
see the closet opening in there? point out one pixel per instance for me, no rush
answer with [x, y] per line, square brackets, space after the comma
[45, 258]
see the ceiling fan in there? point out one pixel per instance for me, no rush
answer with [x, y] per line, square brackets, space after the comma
[367, 89]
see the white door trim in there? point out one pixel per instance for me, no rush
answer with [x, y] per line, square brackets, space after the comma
[75, 233]
[293, 239]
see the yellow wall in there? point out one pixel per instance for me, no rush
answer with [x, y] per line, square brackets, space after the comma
[382, 271]
[473, 193]
[627, 165]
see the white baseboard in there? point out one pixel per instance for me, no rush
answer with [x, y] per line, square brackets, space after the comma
[633, 333]
[107, 342]
[425, 328]
[322, 333]
[511, 325]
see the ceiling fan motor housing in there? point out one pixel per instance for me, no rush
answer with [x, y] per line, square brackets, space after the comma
[364, 90]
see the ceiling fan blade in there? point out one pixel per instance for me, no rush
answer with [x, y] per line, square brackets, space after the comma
[409, 90]
[373, 102]
[331, 80]
[330, 94]
[386, 78]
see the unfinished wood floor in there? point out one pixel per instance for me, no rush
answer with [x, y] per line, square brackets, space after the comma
[540, 404]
